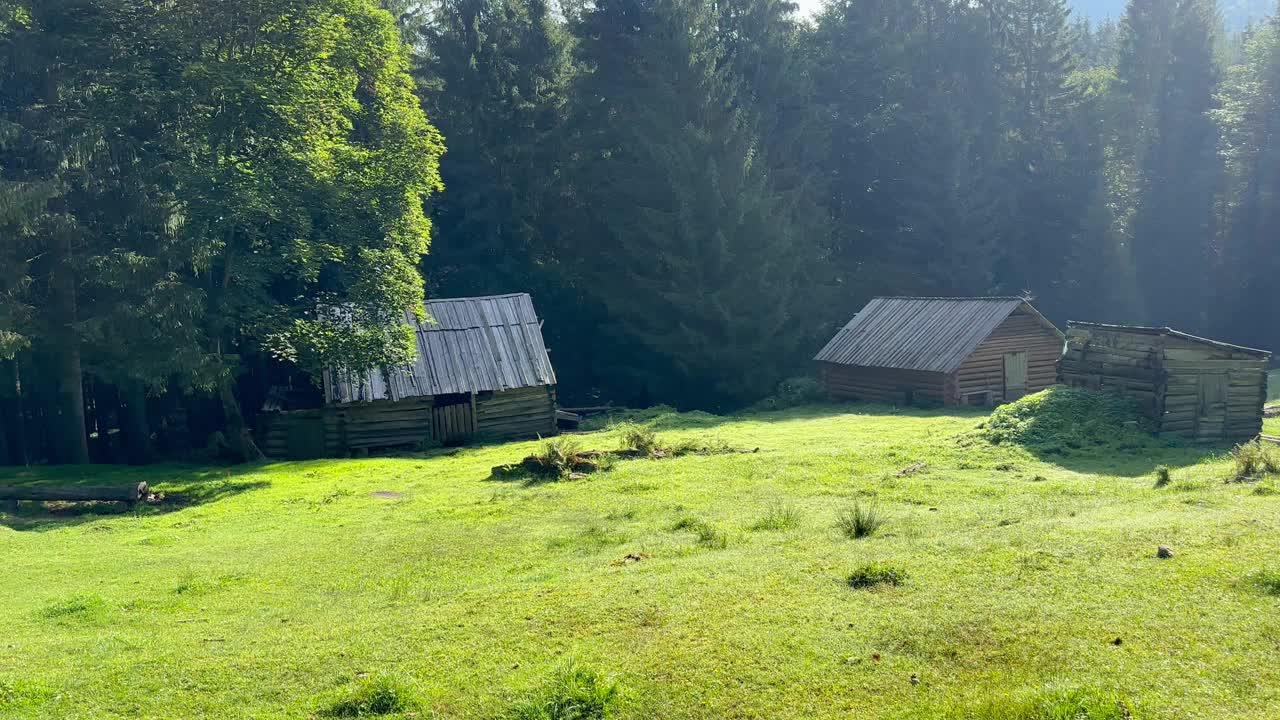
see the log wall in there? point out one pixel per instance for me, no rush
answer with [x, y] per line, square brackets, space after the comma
[983, 371]
[520, 413]
[1193, 390]
[882, 385]
[336, 430]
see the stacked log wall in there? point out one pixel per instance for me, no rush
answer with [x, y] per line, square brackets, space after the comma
[983, 371]
[1126, 363]
[520, 413]
[883, 385]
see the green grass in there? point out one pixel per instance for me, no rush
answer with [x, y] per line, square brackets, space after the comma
[705, 586]
[1273, 386]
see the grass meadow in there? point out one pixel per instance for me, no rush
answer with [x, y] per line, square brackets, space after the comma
[801, 577]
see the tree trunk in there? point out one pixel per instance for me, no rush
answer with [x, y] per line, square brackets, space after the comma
[134, 427]
[239, 439]
[70, 439]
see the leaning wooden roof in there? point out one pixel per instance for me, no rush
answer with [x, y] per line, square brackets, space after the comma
[465, 345]
[930, 334]
[1168, 332]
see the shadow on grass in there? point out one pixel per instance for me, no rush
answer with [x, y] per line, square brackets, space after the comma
[176, 488]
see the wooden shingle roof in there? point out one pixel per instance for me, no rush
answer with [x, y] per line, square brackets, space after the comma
[1169, 332]
[465, 345]
[929, 334]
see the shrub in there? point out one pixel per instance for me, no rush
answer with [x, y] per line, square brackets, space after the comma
[708, 534]
[778, 517]
[1062, 420]
[859, 521]
[1253, 460]
[380, 695]
[1162, 476]
[874, 574]
[573, 693]
[640, 438]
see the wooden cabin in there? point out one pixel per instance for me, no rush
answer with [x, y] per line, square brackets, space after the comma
[1193, 388]
[482, 370]
[943, 351]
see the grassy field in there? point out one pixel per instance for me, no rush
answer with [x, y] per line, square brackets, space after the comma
[1027, 583]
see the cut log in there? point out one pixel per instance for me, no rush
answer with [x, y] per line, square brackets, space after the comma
[129, 495]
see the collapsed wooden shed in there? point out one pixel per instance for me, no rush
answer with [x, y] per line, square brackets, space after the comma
[482, 369]
[947, 351]
[1192, 387]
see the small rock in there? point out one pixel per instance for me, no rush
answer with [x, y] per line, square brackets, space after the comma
[915, 679]
[577, 476]
[1164, 552]
[1118, 642]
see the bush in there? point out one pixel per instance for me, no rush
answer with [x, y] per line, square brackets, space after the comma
[792, 392]
[874, 574]
[1062, 420]
[858, 522]
[778, 517]
[574, 693]
[1162, 476]
[381, 695]
[1253, 460]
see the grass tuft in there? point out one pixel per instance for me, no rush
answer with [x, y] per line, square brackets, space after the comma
[708, 535]
[558, 455]
[1162, 476]
[875, 574]
[638, 438]
[859, 521]
[1267, 581]
[1255, 460]
[74, 606]
[779, 516]
[378, 695]
[573, 693]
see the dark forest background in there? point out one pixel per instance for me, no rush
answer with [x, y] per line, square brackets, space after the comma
[697, 194]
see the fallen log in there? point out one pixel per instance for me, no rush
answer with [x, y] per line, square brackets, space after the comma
[128, 494]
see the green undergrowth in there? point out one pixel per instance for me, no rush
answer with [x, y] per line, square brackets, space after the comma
[1065, 421]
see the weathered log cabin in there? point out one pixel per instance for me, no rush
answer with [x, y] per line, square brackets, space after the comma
[942, 351]
[1193, 388]
[482, 370]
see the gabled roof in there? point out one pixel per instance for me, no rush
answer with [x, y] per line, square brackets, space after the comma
[928, 334]
[465, 345]
[1169, 332]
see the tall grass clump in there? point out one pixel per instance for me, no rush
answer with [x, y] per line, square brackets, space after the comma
[638, 438]
[558, 455]
[573, 693]
[1062, 420]
[380, 695]
[1267, 581]
[1162, 476]
[1254, 460]
[708, 535]
[779, 516]
[859, 521]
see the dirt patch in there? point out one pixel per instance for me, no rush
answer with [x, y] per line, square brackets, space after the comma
[631, 559]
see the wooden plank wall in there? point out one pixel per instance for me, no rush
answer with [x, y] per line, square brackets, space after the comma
[1191, 368]
[881, 385]
[983, 371]
[385, 423]
[520, 413]
[1168, 376]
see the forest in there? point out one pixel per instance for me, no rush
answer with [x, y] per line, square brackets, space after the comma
[202, 201]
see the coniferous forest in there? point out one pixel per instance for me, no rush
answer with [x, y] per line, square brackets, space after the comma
[695, 193]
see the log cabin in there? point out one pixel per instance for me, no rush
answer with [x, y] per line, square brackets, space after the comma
[482, 371]
[941, 351]
[1192, 387]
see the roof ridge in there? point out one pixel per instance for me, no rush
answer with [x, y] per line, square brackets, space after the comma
[943, 297]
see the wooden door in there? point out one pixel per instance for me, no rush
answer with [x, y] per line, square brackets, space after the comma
[454, 422]
[1211, 421]
[1015, 375]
